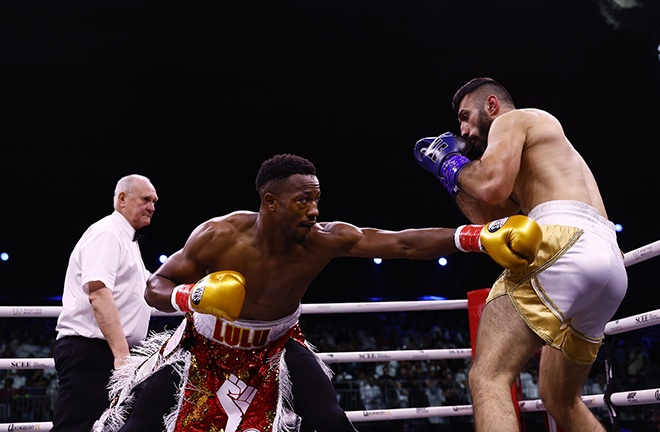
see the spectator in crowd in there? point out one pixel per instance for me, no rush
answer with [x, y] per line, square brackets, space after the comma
[7, 393]
[435, 396]
[371, 394]
[401, 395]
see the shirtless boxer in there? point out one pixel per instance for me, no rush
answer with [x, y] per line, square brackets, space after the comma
[563, 301]
[239, 359]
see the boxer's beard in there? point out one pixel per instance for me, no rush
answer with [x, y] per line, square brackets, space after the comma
[484, 128]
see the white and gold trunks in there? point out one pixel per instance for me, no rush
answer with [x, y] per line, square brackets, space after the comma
[576, 283]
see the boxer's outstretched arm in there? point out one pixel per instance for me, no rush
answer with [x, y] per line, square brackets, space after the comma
[512, 242]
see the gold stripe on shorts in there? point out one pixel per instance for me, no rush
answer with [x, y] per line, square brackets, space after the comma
[534, 303]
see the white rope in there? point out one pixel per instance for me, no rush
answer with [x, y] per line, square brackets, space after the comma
[30, 311]
[625, 398]
[391, 306]
[628, 398]
[534, 405]
[634, 322]
[646, 319]
[384, 356]
[17, 427]
[636, 397]
[407, 413]
[330, 357]
[27, 363]
[642, 254]
[311, 308]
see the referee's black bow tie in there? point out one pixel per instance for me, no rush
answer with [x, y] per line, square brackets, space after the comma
[138, 237]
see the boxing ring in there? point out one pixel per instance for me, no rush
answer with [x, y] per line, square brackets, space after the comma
[610, 400]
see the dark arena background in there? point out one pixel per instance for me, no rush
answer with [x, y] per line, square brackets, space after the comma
[196, 94]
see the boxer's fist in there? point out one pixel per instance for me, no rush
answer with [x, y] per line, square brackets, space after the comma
[220, 294]
[443, 157]
[512, 242]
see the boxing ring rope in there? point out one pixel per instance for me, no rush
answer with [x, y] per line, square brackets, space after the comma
[642, 254]
[619, 399]
[311, 308]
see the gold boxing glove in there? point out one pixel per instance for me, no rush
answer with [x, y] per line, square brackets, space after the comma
[220, 294]
[512, 242]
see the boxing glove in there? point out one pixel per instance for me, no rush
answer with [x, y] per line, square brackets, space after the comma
[444, 158]
[512, 242]
[220, 294]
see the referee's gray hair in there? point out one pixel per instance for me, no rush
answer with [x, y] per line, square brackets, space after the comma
[125, 184]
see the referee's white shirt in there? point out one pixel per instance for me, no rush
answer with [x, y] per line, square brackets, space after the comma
[106, 252]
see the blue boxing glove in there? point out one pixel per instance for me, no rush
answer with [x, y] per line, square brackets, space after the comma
[444, 158]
